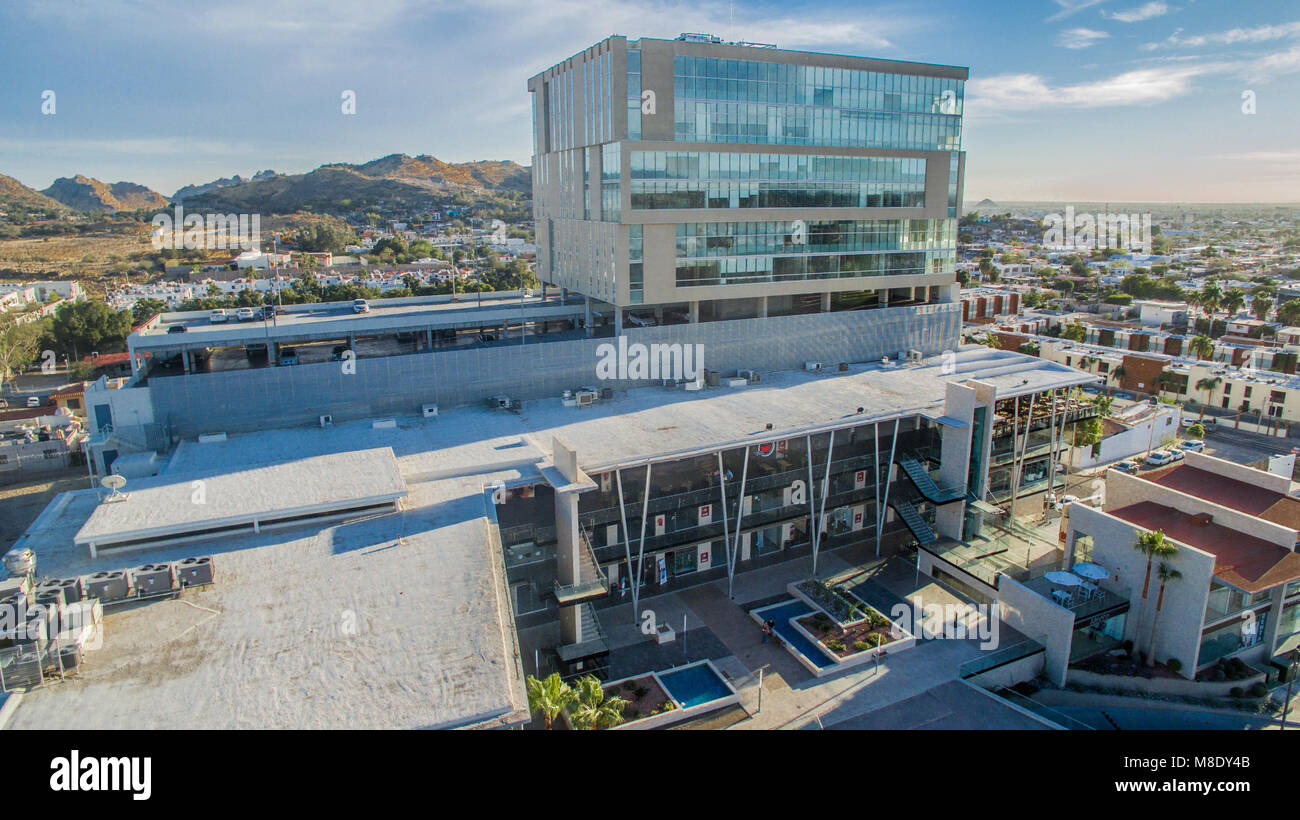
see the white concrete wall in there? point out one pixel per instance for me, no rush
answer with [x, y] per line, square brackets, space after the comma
[1183, 611]
[1041, 620]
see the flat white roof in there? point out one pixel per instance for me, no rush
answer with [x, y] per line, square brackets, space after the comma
[393, 622]
[202, 498]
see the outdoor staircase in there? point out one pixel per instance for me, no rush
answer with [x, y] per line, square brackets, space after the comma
[912, 518]
[920, 476]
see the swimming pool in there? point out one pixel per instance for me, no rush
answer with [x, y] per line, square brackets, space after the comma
[694, 685]
[781, 614]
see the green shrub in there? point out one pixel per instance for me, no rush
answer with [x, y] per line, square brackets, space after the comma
[835, 646]
[861, 646]
[1236, 691]
[1174, 665]
[1258, 689]
[641, 692]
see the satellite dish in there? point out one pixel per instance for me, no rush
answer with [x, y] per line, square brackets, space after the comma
[114, 483]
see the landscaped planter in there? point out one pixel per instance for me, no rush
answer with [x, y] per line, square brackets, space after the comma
[656, 694]
[867, 625]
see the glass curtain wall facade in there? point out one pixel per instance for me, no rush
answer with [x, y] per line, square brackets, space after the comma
[673, 139]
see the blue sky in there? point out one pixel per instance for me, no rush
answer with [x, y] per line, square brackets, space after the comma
[1085, 100]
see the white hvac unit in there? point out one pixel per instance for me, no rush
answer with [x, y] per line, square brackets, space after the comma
[429, 411]
[698, 384]
[211, 438]
[750, 376]
[914, 357]
[736, 382]
[586, 397]
[501, 402]
[812, 367]
[383, 424]
[326, 420]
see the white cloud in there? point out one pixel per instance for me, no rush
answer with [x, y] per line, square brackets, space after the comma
[1070, 8]
[1235, 36]
[1080, 38]
[1024, 92]
[1149, 11]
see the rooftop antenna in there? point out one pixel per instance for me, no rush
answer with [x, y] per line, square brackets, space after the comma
[113, 483]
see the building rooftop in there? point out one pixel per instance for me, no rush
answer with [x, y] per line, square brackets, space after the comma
[1231, 493]
[206, 498]
[1244, 561]
[394, 621]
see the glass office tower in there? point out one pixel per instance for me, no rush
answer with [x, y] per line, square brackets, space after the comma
[718, 180]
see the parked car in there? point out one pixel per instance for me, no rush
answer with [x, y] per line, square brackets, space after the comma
[1175, 453]
[1209, 423]
[177, 329]
[33, 401]
[268, 311]
[1159, 459]
[1128, 466]
[245, 314]
[288, 356]
[1192, 446]
[360, 306]
[218, 316]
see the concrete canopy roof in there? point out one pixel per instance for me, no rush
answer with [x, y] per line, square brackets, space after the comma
[171, 506]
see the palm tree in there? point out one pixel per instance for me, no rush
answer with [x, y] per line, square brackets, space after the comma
[1153, 545]
[1118, 373]
[1209, 298]
[992, 341]
[1202, 347]
[1260, 306]
[1288, 313]
[592, 709]
[1232, 300]
[1208, 384]
[1166, 574]
[548, 696]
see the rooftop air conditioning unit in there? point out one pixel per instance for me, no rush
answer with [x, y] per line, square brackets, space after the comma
[812, 367]
[586, 397]
[914, 357]
[429, 411]
[193, 572]
[326, 420]
[501, 402]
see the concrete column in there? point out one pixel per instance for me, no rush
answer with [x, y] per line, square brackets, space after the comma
[586, 308]
[826, 302]
[618, 321]
[352, 341]
[185, 357]
[695, 313]
[884, 297]
[564, 294]
[659, 315]
[272, 353]
[428, 339]
[567, 563]
[762, 307]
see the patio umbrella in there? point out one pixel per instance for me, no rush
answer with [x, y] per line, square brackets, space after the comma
[1090, 571]
[1063, 579]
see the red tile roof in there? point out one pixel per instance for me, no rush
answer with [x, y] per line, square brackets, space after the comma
[1248, 563]
[1237, 495]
